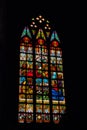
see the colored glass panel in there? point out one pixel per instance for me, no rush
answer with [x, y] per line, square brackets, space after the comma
[41, 78]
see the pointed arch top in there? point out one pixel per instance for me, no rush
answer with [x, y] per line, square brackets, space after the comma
[26, 32]
[41, 35]
[54, 36]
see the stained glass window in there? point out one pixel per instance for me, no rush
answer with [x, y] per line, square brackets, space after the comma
[41, 76]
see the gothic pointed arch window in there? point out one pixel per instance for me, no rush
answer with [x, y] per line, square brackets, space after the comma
[41, 76]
